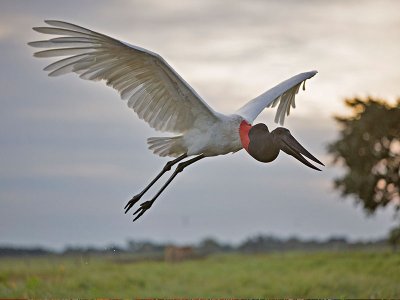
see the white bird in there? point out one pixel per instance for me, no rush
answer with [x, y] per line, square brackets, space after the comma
[168, 103]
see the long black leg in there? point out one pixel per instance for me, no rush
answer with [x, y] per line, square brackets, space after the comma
[146, 205]
[166, 168]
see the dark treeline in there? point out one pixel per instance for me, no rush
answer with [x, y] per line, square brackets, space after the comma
[257, 244]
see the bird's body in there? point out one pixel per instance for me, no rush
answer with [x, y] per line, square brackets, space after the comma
[208, 138]
[167, 103]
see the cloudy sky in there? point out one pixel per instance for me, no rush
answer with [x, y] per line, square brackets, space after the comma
[72, 154]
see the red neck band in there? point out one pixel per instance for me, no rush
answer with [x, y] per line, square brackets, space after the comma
[244, 134]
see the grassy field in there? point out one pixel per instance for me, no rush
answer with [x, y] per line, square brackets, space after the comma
[355, 274]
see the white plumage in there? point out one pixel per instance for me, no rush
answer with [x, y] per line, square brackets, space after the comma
[284, 94]
[167, 103]
[155, 91]
[151, 87]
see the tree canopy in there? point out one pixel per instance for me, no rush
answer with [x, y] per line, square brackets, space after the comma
[369, 149]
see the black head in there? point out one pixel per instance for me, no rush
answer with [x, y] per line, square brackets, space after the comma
[262, 146]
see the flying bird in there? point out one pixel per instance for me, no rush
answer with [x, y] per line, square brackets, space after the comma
[162, 98]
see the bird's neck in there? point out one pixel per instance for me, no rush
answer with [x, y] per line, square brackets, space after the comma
[244, 129]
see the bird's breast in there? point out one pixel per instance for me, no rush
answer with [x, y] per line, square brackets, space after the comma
[220, 138]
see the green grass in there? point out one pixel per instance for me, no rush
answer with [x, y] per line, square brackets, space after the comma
[353, 274]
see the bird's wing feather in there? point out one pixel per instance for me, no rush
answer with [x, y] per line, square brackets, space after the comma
[284, 94]
[150, 85]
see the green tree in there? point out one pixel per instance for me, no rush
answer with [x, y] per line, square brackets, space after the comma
[369, 149]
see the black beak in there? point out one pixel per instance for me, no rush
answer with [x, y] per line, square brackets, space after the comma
[291, 146]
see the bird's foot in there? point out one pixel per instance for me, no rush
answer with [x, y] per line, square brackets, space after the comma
[132, 202]
[142, 209]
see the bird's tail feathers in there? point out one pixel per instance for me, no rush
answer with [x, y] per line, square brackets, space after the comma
[167, 146]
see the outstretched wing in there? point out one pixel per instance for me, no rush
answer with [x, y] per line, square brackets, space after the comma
[284, 94]
[152, 88]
